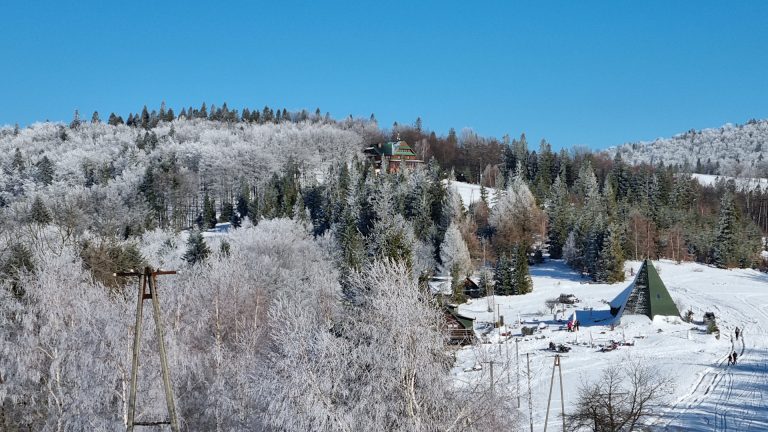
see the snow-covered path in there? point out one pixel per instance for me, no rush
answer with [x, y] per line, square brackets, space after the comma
[730, 397]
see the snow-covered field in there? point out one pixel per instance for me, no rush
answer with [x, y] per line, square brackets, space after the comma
[470, 193]
[708, 394]
[742, 183]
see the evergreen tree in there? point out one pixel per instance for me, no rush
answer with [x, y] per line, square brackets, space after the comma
[38, 213]
[75, 123]
[225, 249]
[197, 249]
[19, 260]
[593, 245]
[145, 118]
[95, 118]
[226, 212]
[18, 162]
[619, 178]
[611, 265]
[727, 233]
[242, 201]
[45, 171]
[351, 245]
[209, 212]
[502, 276]
[485, 283]
[521, 279]
[254, 208]
[235, 219]
[558, 211]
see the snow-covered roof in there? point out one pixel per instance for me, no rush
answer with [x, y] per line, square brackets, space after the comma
[440, 285]
[621, 298]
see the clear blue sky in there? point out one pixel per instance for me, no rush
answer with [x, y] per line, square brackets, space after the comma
[586, 73]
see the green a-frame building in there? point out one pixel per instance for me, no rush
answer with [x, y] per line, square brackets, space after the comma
[646, 295]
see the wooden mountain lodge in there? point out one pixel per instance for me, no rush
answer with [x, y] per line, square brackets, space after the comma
[460, 328]
[392, 155]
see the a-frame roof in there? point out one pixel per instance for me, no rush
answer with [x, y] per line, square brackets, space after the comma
[646, 295]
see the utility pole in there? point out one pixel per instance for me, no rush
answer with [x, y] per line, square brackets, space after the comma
[517, 360]
[530, 397]
[506, 348]
[549, 400]
[148, 280]
[491, 362]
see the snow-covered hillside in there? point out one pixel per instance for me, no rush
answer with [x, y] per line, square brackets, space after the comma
[470, 193]
[738, 150]
[708, 394]
[742, 184]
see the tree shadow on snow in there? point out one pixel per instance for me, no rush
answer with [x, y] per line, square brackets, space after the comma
[555, 269]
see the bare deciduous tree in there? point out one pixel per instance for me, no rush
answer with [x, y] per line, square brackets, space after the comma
[625, 393]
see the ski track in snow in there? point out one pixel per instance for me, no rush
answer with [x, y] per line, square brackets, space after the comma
[729, 397]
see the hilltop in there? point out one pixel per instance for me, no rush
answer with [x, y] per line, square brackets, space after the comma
[731, 150]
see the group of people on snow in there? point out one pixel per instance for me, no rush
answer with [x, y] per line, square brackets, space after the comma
[732, 356]
[573, 325]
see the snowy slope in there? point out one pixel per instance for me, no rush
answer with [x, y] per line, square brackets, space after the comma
[706, 388]
[471, 192]
[741, 183]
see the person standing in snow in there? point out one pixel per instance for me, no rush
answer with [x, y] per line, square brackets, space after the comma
[734, 357]
[737, 333]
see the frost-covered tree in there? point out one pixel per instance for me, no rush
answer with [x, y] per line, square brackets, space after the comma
[369, 371]
[63, 351]
[572, 251]
[516, 218]
[454, 255]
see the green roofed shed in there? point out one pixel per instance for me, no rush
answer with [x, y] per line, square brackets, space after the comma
[646, 295]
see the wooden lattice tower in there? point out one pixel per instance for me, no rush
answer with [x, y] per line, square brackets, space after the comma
[148, 291]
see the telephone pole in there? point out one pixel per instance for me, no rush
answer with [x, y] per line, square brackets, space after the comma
[491, 362]
[148, 280]
[551, 384]
[530, 397]
[517, 360]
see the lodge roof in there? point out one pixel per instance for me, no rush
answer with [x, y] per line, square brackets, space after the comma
[391, 148]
